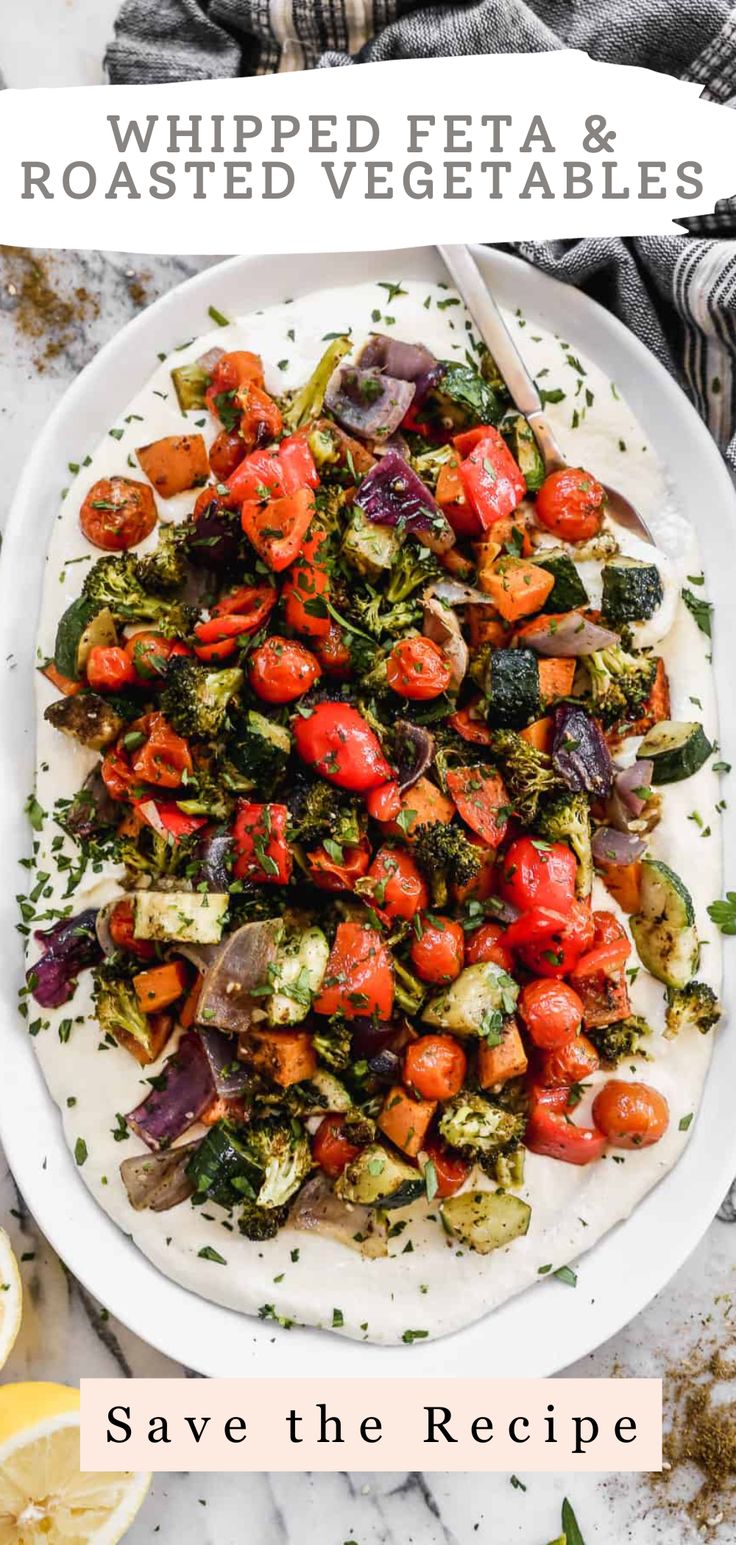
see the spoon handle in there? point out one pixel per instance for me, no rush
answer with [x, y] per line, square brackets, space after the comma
[462, 267]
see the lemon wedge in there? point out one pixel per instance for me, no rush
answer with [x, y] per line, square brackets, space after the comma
[11, 1298]
[45, 1499]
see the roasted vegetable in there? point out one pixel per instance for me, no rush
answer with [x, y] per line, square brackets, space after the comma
[114, 583]
[87, 717]
[486, 1220]
[619, 1040]
[619, 682]
[527, 772]
[693, 1007]
[195, 700]
[479, 1129]
[447, 856]
[164, 569]
[566, 818]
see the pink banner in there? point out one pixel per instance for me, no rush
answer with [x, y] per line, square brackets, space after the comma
[372, 1424]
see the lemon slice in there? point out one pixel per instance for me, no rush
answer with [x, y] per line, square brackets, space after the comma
[45, 1499]
[11, 1298]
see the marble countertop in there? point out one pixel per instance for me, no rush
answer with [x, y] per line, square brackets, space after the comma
[67, 1335]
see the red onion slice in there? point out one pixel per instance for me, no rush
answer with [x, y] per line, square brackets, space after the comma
[615, 847]
[568, 636]
[366, 402]
[183, 1091]
[391, 494]
[629, 781]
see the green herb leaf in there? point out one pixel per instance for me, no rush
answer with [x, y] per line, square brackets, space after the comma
[570, 1525]
[221, 321]
[207, 1253]
[701, 610]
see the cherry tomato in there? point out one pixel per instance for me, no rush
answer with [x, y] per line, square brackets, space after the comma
[488, 943]
[260, 417]
[333, 653]
[417, 668]
[435, 1067]
[570, 504]
[339, 874]
[384, 803]
[337, 742]
[109, 669]
[150, 653]
[331, 1149]
[262, 851]
[631, 1115]
[450, 1169]
[552, 1134]
[117, 513]
[552, 1013]
[570, 1064]
[226, 453]
[232, 370]
[359, 978]
[538, 874]
[437, 954]
[281, 670]
[121, 924]
[164, 757]
[398, 886]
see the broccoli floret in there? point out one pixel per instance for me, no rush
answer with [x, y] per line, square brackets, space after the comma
[317, 810]
[152, 853]
[114, 582]
[118, 1011]
[619, 682]
[256, 753]
[88, 717]
[367, 608]
[259, 1223]
[694, 1007]
[480, 1130]
[280, 1154]
[566, 818]
[614, 1043]
[527, 772]
[428, 461]
[332, 1042]
[444, 851]
[164, 569]
[415, 567]
[409, 993]
[195, 699]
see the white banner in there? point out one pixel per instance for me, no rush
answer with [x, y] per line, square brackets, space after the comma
[487, 148]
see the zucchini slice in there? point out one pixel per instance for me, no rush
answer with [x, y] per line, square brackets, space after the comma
[83, 625]
[512, 686]
[189, 917]
[478, 1001]
[369, 549]
[664, 930]
[677, 750]
[569, 591]
[486, 1220]
[377, 1178]
[526, 452]
[298, 970]
[632, 590]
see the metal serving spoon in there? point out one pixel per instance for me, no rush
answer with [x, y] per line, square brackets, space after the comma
[463, 269]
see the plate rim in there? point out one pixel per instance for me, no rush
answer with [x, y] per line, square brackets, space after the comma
[177, 1310]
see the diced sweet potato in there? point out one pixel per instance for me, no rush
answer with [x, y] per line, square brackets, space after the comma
[404, 1121]
[175, 464]
[497, 1064]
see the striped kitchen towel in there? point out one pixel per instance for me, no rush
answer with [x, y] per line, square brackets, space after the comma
[677, 293]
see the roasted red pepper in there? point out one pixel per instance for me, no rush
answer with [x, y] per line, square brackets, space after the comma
[262, 851]
[359, 979]
[492, 481]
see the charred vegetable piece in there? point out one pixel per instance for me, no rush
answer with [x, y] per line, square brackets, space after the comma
[632, 590]
[69, 947]
[460, 400]
[87, 717]
[486, 1220]
[512, 687]
[391, 494]
[580, 754]
[527, 454]
[569, 591]
[664, 931]
[378, 1178]
[676, 751]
